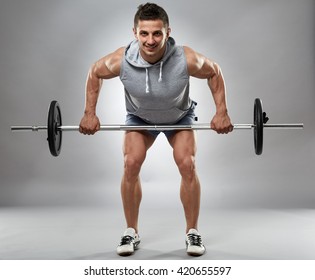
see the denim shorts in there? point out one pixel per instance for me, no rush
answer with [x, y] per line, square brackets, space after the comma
[187, 119]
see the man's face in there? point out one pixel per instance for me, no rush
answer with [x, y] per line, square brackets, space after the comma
[152, 36]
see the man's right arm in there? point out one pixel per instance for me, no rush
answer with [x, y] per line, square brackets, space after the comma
[107, 67]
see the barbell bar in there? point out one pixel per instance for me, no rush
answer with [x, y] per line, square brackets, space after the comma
[55, 128]
[117, 127]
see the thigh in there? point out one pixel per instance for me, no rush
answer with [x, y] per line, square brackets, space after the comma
[137, 143]
[183, 143]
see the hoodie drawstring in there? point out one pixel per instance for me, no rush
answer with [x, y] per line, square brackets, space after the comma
[147, 88]
[161, 67]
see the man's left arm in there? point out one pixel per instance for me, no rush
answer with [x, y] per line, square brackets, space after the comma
[201, 67]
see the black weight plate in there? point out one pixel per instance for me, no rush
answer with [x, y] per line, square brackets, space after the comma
[259, 126]
[54, 135]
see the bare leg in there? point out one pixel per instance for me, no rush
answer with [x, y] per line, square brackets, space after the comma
[184, 150]
[135, 147]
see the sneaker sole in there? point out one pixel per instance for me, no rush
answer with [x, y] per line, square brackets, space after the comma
[195, 254]
[125, 254]
[129, 253]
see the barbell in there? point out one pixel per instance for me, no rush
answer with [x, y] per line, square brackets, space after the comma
[55, 128]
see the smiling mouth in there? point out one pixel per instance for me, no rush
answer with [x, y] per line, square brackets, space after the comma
[150, 48]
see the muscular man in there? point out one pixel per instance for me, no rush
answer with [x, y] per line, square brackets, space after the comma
[155, 73]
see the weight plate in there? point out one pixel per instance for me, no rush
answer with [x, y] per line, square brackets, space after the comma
[259, 126]
[54, 135]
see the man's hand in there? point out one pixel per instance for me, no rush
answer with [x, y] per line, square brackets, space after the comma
[221, 123]
[89, 124]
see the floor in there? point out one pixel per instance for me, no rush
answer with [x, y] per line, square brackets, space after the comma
[93, 234]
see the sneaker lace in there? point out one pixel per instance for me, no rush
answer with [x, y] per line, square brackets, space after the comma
[126, 240]
[194, 240]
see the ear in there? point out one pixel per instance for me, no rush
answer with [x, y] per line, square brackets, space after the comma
[168, 32]
[134, 30]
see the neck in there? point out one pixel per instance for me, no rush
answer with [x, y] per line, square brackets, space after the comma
[154, 58]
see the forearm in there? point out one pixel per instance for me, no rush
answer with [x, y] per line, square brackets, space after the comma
[107, 67]
[217, 86]
[92, 90]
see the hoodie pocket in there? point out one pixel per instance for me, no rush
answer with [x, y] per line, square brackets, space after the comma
[160, 116]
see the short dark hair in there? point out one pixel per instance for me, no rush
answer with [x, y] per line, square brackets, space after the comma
[151, 11]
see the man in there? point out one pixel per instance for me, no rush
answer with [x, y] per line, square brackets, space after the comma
[155, 73]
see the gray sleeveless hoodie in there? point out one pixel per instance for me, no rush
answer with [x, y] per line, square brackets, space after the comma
[157, 93]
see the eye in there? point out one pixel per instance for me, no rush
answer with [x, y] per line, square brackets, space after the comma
[143, 33]
[158, 33]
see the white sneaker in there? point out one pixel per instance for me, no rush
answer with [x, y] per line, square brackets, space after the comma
[194, 246]
[129, 242]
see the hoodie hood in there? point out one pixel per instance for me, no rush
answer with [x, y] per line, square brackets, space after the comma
[132, 55]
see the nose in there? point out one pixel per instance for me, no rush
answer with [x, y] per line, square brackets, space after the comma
[150, 40]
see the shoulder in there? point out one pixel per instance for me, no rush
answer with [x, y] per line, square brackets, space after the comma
[114, 59]
[108, 66]
[199, 65]
[118, 54]
[194, 60]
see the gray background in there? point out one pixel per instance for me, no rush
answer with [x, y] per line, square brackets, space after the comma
[265, 49]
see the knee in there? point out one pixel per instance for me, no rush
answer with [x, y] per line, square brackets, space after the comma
[132, 164]
[186, 165]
